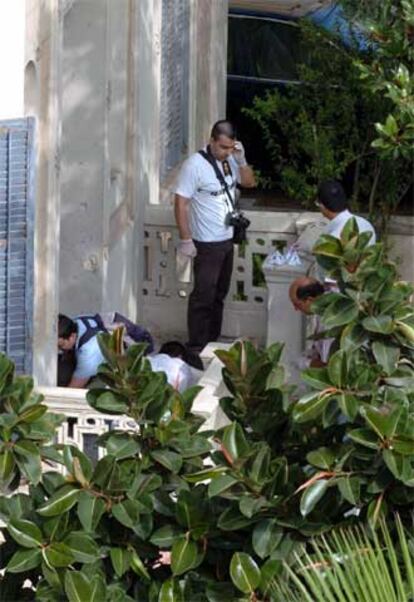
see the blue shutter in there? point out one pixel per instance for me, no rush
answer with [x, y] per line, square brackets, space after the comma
[16, 241]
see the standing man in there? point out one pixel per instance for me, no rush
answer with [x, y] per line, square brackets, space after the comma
[202, 212]
[333, 205]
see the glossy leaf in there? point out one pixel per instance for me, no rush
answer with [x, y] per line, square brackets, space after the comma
[122, 446]
[164, 537]
[221, 484]
[60, 502]
[379, 324]
[349, 488]
[24, 560]
[267, 535]
[138, 566]
[78, 588]
[127, 513]
[244, 572]
[82, 546]
[170, 592]
[168, 459]
[310, 406]
[312, 495]
[90, 510]
[58, 554]
[26, 533]
[386, 355]
[120, 558]
[321, 458]
[234, 440]
[364, 437]
[183, 555]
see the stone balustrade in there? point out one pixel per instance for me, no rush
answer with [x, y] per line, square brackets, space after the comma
[83, 424]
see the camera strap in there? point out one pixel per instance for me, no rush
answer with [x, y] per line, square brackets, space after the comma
[208, 157]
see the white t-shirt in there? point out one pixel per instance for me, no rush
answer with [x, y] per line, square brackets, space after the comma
[179, 374]
[89, 356]
[337, 224]
[209, 203]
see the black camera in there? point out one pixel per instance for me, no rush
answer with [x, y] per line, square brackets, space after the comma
[240, 224]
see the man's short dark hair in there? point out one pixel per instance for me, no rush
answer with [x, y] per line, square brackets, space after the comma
[332, 196]
[310, 291]
[66, 327]
[223, 128]
[173, 349]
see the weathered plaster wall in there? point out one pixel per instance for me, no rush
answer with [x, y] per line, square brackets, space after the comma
[43, 101]
[100, 222]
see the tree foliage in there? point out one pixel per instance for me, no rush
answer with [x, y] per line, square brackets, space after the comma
[352, 115]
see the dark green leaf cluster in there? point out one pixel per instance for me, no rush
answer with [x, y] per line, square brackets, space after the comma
[170, 512]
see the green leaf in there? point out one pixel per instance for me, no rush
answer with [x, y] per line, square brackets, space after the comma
[184, 554]
[26, 533]
[120, 558]
[382, 420]
[322, 458]
[168, 459]
[250, 505]
[7, 468]
[310, 406]
[164, 537]
[244, 572]
[82, 546]
[328, 246]
[232, 520]
[364, 437]
[24, 560]
[171, 592]
[221, 484]
[340, 313]
[386, 356]
[270, 571]
[127, 513]
[138, 566]
[379, 324]
[28, 459]
[349, 488]
[90, 510]
[77, 587]
[107, 403]
[234, 440]
[58, 554]
[318, 378]
[338, 368]
[349, 405]
[312, 495]
[122, 446]
[60, 502]
[399, 466]
[266, 537]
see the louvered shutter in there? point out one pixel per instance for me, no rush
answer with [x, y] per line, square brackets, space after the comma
[175, 31]
[16, 241]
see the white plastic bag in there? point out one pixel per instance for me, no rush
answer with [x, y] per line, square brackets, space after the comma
[289, 256]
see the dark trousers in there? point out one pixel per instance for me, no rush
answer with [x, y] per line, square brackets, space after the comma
[213, 266]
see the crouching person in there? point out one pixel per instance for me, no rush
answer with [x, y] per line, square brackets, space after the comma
[79, 353]
[176, 361]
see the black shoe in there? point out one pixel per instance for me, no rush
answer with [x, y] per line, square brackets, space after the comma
[192, 357]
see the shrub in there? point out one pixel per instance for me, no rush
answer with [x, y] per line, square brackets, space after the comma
[231, 507]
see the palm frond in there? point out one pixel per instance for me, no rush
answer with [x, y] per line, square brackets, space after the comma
[356, 564]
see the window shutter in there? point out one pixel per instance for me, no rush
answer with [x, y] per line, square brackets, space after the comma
[175, 36]
[16, 241]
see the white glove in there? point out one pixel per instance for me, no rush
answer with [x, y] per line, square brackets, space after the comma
[187, 248]
[239, 154]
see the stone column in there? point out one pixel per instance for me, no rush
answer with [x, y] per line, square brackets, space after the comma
[208, 68]
[284, 323]
[43, 101]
